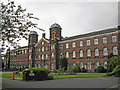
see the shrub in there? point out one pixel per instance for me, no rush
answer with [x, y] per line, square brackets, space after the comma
[61, 70]
[50, 77]
[76, 69]
[100, 69]
[83, 70]
[39, 74]
[54, 71]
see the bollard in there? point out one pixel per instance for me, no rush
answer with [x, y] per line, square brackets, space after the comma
[13, 75]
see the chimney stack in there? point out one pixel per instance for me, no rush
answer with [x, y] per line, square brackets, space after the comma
[43, 35]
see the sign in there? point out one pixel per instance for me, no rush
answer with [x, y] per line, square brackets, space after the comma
[31, 73]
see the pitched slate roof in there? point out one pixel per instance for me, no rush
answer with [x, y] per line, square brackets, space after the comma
[91, 34]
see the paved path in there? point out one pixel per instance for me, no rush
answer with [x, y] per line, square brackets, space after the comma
[99, 82]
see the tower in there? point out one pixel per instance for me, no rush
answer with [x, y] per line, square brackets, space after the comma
[55, 32]
[33, 39]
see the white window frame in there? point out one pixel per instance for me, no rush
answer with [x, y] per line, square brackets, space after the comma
[88, 52]
[88, 42]
[74, 54]
[42, 49]
[96, 52]
[46, 56]
[81, 53]
[104, 40]
[115, 51]
[67, 54]
[52, 55]
[114, 39]
[81, 43]
[67, 45]
[42, 43]
[73, 44]
[105, 51]
[96, 41]
[42, 56]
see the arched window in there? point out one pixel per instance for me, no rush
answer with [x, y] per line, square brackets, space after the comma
[97, 64]
[105, 64]
[81, 53]
[88, 53]
[105, 51]
[115, 52]
[74, 54]
[67, 54]
[89, 65]
[96, 52]
[81, 65]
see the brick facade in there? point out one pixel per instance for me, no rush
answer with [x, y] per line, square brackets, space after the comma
[46, 53]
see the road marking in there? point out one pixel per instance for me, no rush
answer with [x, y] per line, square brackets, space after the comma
[103, 78]
[113, 87]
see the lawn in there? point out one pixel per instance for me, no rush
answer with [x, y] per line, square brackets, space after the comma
[66, 75]
[57, 76]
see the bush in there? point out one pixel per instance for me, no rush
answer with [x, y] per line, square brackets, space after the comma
[50, 77]
[76, 69]
[100, 69]
[83, 70]
[61, 70]
[54, 71]
[39, 74]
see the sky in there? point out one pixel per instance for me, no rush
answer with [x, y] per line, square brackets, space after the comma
[74, 16]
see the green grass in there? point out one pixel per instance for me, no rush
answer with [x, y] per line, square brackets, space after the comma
[10, 76]
[58, 75]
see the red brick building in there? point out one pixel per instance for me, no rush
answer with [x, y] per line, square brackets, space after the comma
[87, 50]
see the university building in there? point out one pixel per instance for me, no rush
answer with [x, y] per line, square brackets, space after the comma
[86, 50]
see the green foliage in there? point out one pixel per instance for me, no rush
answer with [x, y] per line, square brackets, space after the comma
[64, 63]
[61, 70]
[115, 72]
[112, 63]
[76, 69]
[50, 77]
[54, 71]
[83, 70]
[100, 69]
[15, 23]
[40, 74]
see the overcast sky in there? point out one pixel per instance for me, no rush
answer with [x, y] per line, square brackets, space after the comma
[74, 17]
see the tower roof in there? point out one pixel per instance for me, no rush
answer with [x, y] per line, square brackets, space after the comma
[33, 33]
[55, 25]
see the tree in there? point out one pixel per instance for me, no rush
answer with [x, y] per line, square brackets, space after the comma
[64, 63]
[112, 63]
[15, 23]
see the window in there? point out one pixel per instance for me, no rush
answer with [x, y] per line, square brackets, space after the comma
[46, 56]
[88, 53]
[61, 55]
[105, 40]
[39, 49]
[25, 51]
[22, 52]
[52, 66]
[39, 56]
[115, 52]
[67, 54]
[46, 66]
[81, 53]
[114, 39]
[88, 42]
[96, 52]
[42, 49]
[105, 64]
[46, 48]
[42, 56]
[105, 51]
[42, 43]
[52, 55]
[97, 64]
[89, 65]
[74, 64]
[81, 65]
[29, 57]
[81, 43]
[67, 45]
[74, 54]
[96, 41]
[73, 44]
[61, 46]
